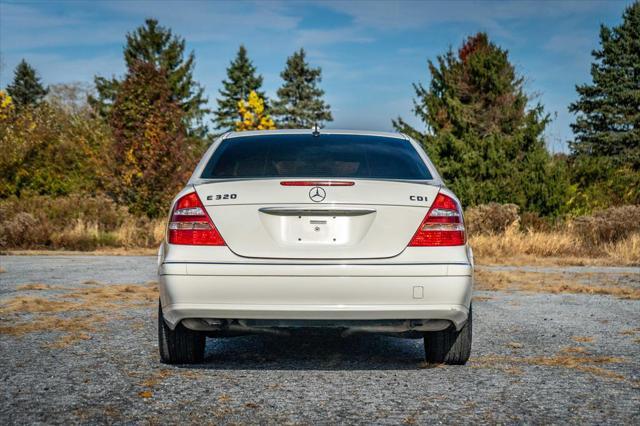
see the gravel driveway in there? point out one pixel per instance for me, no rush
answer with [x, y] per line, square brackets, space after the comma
[537, 358]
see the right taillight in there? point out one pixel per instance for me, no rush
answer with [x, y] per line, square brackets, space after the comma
[442, 226]
[191, 225]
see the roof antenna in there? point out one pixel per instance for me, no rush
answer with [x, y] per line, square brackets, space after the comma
[316, 130]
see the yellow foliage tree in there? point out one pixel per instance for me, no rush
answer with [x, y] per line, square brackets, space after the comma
[252, 115]
[6, 105]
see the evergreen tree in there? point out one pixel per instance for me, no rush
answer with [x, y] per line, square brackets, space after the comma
[605, 160]
[151, 161]
[485, 141]
[608, 121]
[26, 88]
[157, 45]
[241, 81]
[300, 103]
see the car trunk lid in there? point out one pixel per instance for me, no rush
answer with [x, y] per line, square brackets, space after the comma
[306, 219]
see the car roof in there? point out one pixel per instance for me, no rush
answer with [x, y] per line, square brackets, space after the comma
[310, 131]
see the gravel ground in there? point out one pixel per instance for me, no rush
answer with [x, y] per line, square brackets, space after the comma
[520, 371]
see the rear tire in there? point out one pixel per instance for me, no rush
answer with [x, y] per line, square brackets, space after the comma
[449, 346]
[181, 345]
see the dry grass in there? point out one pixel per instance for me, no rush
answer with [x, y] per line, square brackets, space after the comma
[574, 350]
[74, 329]
[30, 314]
[582, 339]
[568, 359]
[113, 296]
[514, 242]
[498, 235]
[30, 304]
[82, 299]
[577, 283]
[626, 251]
[104, 251]
[70, 339]
[128, 234]
[132, 233]
[35, 286]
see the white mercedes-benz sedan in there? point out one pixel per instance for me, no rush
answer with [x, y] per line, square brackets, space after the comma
[285, 229]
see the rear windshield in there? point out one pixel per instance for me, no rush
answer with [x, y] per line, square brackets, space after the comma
[293, 156]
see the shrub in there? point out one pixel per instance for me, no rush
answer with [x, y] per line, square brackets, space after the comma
[21, 229]
[608, 226]
[492, 218]
[49, 150]
[532, 221]
[75, 222]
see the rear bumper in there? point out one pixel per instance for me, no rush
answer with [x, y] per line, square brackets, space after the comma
[315, 292]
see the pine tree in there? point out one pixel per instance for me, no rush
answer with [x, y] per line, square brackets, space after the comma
[300, 103]
[605, 154]
[241, 80]
[608, 121]
[151, 161]
[487, 143]
[157, 45]
[26, 88]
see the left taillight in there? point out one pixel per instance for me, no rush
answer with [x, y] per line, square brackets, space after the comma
[191, 225]
[442, 226]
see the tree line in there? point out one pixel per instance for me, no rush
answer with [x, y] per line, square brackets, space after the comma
[138, 137]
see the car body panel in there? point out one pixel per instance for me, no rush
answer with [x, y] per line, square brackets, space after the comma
[315, 297]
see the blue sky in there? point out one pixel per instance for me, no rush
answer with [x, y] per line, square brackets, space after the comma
[370, 51]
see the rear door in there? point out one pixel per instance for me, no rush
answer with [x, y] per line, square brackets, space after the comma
[326, 197]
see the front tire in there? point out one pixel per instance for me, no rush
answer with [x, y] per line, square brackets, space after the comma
[449, 346]
[181, 345]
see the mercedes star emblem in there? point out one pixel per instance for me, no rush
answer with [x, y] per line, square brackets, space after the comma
[317, 194]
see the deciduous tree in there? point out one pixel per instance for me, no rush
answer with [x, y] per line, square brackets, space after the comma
[252, 114]
[6, 105]
[151, 159]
